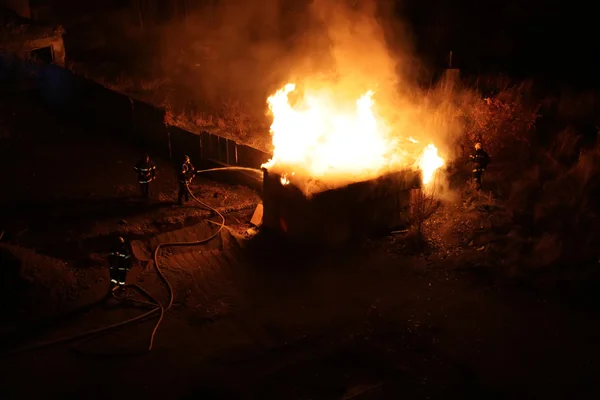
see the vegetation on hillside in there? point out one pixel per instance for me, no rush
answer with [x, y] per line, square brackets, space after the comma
[537, 214]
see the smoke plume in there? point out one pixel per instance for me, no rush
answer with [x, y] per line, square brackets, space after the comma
[245, 50]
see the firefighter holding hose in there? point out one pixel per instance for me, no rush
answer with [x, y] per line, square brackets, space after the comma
[186, 173]
[480, 158]
[146, 173]
[120, 263]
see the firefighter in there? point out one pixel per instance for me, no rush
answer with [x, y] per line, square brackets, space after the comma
[186, 174]
[480, 158]
[120, 263]
[146, 172]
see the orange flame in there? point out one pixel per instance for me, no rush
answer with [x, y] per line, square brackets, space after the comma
[320, 138]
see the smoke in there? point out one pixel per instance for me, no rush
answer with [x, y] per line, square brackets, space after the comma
[250, 48]
[232, 49]
[246, 50]
[369, 48]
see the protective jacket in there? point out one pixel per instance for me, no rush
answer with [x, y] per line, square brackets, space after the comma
[186, 172]
[120, 263]
[481, 159]
[146, 171]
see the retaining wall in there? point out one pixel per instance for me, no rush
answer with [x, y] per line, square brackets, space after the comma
[131, 120]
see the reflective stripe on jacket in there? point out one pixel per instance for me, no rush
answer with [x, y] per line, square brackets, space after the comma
[186, 173]
[146, 171]
[121, 255]
[481, 158]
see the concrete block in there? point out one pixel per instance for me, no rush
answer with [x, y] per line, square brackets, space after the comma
[257, 217]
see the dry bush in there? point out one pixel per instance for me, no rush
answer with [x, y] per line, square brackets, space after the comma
[547, 225]
[122, 84]
[152, 85]
[203, 119]
[422, 205]
[502, 122]
[494, 83]
[172, 118]
[556, 206]
[232, 117]
[239, 123]
[145, 89]
[230, 121]
[474, 200]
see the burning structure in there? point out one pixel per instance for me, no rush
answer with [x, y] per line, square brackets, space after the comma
[352, 138]
[338, 172]
[25, 38]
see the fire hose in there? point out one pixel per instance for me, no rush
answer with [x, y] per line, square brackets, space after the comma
[158, 307]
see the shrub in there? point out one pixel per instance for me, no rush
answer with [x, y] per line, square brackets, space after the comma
[502, 122]
[557, 205]
[548, 225]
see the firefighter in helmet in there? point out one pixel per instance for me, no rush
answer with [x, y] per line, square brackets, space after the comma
[480, 158]
[186, 173]
[146, 173]
[120, 263]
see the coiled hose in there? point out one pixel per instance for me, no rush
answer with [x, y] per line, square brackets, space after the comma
[157, 305]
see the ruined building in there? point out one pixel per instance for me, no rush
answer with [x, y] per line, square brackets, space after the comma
[30, 9]
[26, 38]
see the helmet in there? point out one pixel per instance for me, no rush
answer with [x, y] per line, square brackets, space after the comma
[477, 146]
[186, 158]
[120, 239]
[146, 156]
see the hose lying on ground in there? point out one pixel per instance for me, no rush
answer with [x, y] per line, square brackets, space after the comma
[158, 306]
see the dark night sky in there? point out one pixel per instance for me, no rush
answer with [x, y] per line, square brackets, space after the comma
[553, 39]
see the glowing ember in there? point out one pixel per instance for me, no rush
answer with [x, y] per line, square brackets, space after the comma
[327, 139]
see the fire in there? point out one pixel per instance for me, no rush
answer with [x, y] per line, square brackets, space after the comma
[429, 162]
[335, 142]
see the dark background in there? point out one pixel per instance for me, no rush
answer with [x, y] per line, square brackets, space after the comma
[552, 40]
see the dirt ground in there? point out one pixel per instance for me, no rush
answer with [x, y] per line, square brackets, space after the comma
[253, 318]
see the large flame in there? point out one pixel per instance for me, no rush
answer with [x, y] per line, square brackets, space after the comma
[337, 143]
[429, 162]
